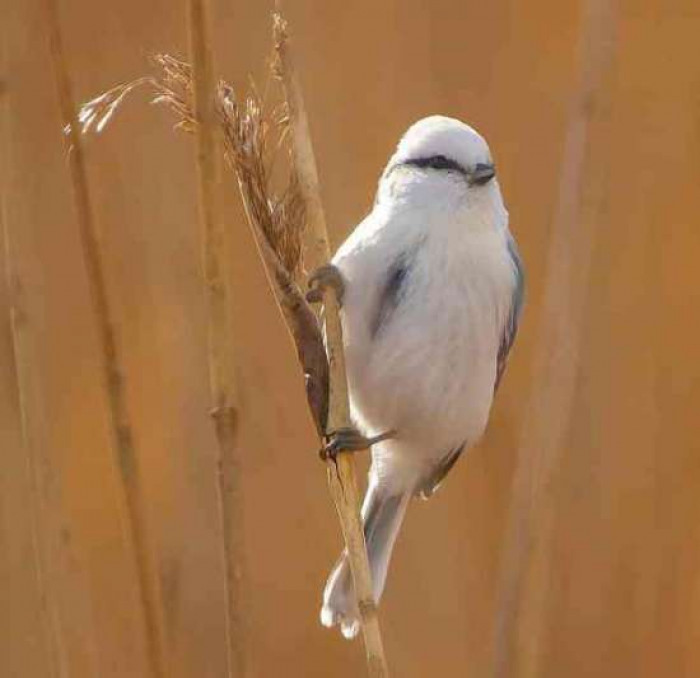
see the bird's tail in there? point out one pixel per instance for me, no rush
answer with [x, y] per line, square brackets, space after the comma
[382, 513]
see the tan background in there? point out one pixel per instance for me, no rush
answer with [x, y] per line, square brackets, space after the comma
[623, 596]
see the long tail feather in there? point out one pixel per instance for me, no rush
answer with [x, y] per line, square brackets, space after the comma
[382, 513]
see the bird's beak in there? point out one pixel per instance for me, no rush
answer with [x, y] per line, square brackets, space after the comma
[482, 174]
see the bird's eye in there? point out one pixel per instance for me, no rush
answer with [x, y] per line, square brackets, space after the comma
[440, 162]
[437, 162]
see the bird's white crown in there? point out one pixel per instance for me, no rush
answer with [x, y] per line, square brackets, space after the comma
[440, 135]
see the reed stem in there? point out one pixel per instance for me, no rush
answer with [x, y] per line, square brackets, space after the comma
[221, 359]
[111, 362]
[341, 472]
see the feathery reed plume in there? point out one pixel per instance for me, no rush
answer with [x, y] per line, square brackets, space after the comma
[203, 115]
[122, 439]
[255, 135]
[253, 138]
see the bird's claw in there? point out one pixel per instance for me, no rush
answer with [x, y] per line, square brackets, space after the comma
[321, 279]
[349, 439]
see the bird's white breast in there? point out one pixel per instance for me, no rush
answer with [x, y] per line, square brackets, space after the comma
[429, 371]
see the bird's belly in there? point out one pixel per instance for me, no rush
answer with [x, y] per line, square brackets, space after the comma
[429, 373]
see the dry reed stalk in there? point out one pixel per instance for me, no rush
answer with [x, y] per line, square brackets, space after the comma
[221, 359]
[20, 357]
[254, 138]
[341, 470]
[22, 364]
[521, 613]
[122, 438]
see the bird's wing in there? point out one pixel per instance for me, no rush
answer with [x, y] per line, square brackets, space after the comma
[511, 327]
[390, 294]
[429, 485]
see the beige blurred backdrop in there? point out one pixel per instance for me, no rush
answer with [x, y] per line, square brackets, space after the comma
[623, 553]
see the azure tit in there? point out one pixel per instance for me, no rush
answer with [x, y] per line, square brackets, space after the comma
[431, 287]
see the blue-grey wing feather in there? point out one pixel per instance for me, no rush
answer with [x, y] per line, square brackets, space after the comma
[516, 307]
[391, 292]
[429, 485]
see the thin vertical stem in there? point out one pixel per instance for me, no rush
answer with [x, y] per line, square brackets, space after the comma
[520, 623]
[221, 359]
[20, 357]
[111, 363]
[341, 473]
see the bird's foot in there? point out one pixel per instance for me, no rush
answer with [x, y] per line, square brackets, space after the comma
[321, 279]
[349, 439]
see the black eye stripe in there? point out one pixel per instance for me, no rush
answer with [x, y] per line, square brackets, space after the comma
[438, 162]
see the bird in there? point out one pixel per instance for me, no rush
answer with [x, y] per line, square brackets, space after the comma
[431, 288]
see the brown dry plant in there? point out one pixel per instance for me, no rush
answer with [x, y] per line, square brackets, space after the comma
[123, 444]
[342, 481]
[279, 205]
[214, 239]
[255, 135]
[526, 576]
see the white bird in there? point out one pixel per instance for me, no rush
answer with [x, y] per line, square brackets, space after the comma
[431, 287]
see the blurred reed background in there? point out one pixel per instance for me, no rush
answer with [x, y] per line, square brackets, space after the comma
[593, 441]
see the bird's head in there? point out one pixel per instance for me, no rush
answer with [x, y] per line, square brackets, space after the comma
[439, 153]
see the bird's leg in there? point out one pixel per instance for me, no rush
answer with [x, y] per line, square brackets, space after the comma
[349, 439]
[346, 439]
[322, 278]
